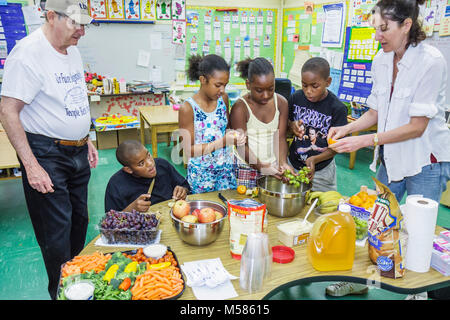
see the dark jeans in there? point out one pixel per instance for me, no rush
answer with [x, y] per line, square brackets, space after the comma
[60, 219]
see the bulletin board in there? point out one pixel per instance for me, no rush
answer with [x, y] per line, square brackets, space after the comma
[303, 31]
[356, 80]
[12, 27]
[308, 27]
[234, 35]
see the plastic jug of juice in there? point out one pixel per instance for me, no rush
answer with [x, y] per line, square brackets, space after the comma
[331, 243]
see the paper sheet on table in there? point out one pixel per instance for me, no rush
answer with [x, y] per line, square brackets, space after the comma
[209, 279]
[221, 292]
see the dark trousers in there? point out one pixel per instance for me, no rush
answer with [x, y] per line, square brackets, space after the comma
[60, 219]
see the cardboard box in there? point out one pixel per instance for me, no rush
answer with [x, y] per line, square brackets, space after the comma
[107, 140]
[128, 134]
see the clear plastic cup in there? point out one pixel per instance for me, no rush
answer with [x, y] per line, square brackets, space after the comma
[256, 262]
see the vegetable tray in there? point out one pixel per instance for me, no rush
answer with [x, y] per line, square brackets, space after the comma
[149, 279]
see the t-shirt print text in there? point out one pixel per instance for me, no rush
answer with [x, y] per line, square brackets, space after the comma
[76, 104]
[312, 118]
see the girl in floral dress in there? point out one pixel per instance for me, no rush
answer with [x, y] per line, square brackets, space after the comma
[203, 122]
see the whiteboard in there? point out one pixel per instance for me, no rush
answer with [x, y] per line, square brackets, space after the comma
[111, 50]
[443, 44]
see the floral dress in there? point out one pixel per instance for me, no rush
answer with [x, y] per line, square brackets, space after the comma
[213, 171]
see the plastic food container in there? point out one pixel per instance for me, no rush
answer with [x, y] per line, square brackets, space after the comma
[155, 251]
[294, 232]
[129, 236]
[80, 290]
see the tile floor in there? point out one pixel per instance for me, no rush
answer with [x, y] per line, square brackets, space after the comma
[22, 271]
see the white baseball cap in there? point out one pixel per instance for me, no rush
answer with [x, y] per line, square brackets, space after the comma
[76, 10]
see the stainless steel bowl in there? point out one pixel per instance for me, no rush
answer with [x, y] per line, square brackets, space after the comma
[200, 234]
[281, 199]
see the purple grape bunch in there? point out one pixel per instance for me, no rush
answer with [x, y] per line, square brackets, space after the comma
[129, 227]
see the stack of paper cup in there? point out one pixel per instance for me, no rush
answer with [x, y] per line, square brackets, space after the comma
[420, 216]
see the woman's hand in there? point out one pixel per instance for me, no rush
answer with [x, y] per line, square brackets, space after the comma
[336, 133]
[353, 143]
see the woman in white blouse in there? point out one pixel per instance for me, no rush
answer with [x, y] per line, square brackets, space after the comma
[407, 104]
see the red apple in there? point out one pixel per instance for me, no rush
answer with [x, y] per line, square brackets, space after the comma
[181, 208]
[218, 214]
[196, 212]
[190, 218]
[206, 215]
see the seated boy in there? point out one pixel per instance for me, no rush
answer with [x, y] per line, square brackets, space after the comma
[312, 111]
[127, 189]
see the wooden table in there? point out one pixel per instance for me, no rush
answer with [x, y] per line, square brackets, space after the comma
[298, 271]
[8, 158]
[161, 119]
[351, 164]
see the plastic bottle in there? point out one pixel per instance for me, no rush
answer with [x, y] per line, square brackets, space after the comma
[331, 244]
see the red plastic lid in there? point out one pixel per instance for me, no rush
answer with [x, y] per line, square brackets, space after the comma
[283, 254]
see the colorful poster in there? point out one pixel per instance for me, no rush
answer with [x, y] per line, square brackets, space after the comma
[163, 10]
[178, 9]
[132, 10]
[116, 10]
[444, 29]
[148, 10]
[97, 9]
[178, 31]
[356, 77]
[333, 28]
[362, 47]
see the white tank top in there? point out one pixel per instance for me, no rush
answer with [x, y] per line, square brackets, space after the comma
[261, 135]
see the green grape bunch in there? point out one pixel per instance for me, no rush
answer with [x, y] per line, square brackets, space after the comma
[297, 180]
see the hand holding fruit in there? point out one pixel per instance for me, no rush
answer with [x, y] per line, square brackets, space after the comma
[270, 169]
[311, 165]
[235, 137]
[298, 128]
[298, 179]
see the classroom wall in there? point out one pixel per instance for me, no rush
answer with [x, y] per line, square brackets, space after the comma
[276, 4]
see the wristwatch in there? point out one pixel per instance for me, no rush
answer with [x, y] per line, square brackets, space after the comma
[375, 139]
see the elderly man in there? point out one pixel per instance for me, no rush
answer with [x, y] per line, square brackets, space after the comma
[45, 112]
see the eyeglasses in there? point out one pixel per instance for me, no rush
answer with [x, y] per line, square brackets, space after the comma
[72, 23]
[381, 27]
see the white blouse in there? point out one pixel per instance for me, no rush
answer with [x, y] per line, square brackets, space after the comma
[419, 91]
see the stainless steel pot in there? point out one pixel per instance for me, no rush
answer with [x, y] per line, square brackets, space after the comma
[200, 234]
[281, 199]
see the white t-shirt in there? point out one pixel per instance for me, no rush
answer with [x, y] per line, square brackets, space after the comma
[52, 86]
[419, 91]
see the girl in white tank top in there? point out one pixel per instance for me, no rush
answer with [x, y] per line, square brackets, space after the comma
[263, 115]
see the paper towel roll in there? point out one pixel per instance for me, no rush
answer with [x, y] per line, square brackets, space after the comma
[421, 216]
[403, 208]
